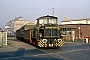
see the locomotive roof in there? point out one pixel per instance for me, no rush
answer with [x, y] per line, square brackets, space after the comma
[47, 17]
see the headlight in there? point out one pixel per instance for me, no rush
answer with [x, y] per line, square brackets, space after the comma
[59, 40]
[40, 35]
[44, 40]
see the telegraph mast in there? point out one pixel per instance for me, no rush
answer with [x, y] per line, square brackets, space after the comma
[53, 11]
[15, 16]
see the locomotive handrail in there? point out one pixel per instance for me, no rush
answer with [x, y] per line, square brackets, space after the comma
[52, 36]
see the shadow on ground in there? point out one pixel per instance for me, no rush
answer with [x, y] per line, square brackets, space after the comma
[22, 54]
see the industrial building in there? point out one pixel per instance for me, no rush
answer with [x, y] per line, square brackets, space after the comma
[15, 24]
[77, 28]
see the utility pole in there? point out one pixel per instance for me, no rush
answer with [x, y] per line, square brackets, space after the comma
[15, 16]
[53, 11]
[2, 37]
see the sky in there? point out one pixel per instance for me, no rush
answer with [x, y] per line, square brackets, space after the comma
[32, 9]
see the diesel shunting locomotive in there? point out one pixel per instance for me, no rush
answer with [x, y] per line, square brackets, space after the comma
[44, 33]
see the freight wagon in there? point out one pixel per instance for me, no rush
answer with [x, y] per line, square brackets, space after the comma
[44, 33]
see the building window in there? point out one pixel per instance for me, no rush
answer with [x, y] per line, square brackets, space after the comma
[66, 31]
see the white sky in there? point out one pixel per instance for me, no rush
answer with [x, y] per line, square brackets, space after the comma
[32, 9]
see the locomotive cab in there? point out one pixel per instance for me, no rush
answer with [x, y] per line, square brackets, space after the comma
[47, 32]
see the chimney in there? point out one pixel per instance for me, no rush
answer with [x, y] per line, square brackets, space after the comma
[65, 19]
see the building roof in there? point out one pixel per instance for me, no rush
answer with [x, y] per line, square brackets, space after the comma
[73, 24]
[7, 27]
[19, 18]
[47, 16]
[30, 23]
[75, 20]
